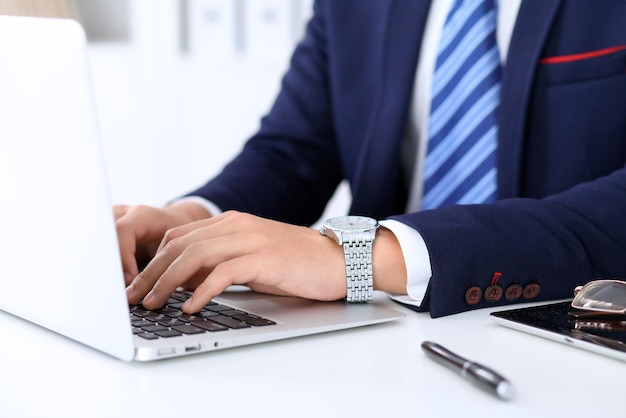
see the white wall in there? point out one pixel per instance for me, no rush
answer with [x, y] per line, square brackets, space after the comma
[187, 86]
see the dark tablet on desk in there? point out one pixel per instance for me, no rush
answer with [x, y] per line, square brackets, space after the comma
[560, 322]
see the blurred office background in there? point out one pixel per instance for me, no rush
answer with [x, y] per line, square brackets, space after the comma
[180, 84]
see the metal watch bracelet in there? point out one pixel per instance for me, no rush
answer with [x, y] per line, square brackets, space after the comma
[359, 277]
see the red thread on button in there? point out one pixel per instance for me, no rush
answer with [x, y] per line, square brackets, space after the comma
[496, 277]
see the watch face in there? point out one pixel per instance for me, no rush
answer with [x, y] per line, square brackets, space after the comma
[352, 223]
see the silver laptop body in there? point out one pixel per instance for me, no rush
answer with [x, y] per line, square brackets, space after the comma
[59, 259]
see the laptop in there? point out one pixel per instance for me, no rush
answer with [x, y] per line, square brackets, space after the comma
[59, 258]
[559, 322]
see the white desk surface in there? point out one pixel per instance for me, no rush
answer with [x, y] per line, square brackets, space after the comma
[376, 371]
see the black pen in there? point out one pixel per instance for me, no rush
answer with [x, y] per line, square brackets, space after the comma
[476, 373]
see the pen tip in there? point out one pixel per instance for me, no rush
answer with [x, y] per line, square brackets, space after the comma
[506, 391]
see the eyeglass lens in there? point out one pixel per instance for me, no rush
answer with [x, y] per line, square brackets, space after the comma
[602, 295]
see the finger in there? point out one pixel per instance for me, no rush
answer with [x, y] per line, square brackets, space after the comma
[135, 231]
[184, 253]
[194, 281]
[119, 211]
[202, 256]
[148, 286]
[139, 287]
[222, 225]
[127, 247]
[179, 261]
[228, 273]
[186, 250]
[129, 261]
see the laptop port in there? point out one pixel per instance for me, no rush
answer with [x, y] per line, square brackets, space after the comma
[191, 348]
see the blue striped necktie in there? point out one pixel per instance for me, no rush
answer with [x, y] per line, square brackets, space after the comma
[460, 166]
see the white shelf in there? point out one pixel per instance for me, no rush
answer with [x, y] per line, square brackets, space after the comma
[177, 99]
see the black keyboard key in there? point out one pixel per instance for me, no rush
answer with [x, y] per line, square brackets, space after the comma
[139, 310]
[168, 333]
[157, 316]
[208, 314]
[154, 328]
[189, 329]
[175, 314]
[210, 326]
[171, 322]
[180, 296]
[218, 308]
[140, 323]
[232, 312]
[190, 318]
[229, 322]
[148, 336]
[168, 310]
[254, 320]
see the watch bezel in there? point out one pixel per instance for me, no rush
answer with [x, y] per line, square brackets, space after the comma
[350, 224]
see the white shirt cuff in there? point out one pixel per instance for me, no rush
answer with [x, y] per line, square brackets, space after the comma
[417, 260]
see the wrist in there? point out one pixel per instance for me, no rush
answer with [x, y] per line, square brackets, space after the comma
[188, 210]
[388, 263]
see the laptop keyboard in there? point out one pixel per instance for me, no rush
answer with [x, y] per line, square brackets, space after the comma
[171, 321]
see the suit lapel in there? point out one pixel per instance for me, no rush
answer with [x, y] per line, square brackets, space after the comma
[379, 171]
[529, 35]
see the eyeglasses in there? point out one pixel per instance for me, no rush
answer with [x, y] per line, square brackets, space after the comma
[599, 306]
[602, 296]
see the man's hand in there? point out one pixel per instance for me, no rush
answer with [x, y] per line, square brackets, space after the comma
[140, 230]
[237, 248]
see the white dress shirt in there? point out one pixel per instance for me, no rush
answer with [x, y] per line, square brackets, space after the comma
[413, 246]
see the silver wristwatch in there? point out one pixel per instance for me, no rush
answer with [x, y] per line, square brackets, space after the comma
[356, 234]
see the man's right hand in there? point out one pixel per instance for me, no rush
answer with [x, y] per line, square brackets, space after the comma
[140, 230]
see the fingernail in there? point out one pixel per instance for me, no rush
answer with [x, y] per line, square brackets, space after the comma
[188, 303]
[148, 297]
[128, 277]
[130, 290]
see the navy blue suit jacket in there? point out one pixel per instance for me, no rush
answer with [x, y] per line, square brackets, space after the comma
[342, 110]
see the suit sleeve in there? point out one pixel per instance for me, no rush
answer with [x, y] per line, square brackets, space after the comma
[557, 242]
